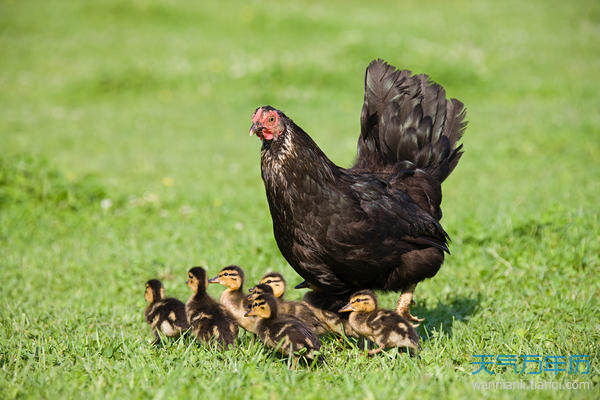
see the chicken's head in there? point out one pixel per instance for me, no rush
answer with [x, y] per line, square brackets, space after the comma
[267, 123]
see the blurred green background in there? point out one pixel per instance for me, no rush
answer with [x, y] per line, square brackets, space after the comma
[124, 155]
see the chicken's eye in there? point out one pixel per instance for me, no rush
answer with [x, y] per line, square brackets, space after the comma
[271, 119]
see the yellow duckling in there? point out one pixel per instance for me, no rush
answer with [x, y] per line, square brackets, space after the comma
[321, 321]
[208, 319]
[283, 332]
[233, 298]
[383, 327]
[165, 315]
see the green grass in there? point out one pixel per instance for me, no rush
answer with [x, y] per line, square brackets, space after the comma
[148, 104]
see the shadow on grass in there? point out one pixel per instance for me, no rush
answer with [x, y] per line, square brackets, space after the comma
[442, 317]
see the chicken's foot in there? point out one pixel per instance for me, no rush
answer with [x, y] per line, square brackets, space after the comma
[403, 306]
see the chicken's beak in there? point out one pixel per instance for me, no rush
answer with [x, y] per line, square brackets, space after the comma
[256, 129]
[346, 308]
[249, 313]
[301, 285]
[214, 280]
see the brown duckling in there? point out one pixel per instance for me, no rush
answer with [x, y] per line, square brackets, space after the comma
[321, 321]
[277, 283]
[165, 315]
[233, 298]
[257, 290]
[385, 328]
[283, 332]
[208, 318]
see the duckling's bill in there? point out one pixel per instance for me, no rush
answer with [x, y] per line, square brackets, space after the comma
[348, 307]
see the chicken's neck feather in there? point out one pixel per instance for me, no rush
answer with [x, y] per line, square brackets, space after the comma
[295, 155]
[295, 169]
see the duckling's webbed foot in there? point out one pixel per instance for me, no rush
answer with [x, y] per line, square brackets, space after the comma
[156, 341]
[403, 306]
[294, 364]
[363, 344]
[375, 351]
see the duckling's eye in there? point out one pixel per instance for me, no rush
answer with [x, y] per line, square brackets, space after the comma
[225, 274]
[269, 281]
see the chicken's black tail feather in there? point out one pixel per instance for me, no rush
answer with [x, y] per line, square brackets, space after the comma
[407, 123]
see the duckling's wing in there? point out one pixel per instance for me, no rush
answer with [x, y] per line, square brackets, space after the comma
[326, 317]
[228, 326]
[381, 319]
[160, 310]
[304, 313]
[177, 313]
[391, 321]
[307, 335]
[151, 312]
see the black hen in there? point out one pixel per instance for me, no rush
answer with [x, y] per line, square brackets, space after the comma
[375, 225]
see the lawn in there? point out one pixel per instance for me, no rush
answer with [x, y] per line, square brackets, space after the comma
[124, 155]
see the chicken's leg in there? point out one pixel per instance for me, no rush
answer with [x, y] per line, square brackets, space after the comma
[403, 306]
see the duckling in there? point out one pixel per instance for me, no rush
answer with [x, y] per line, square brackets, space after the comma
[385, 328]
[283, 332]
[277, 283]
[208, 318]
[233, 298]
[165, 315]
[321, 321]
[257, 290]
